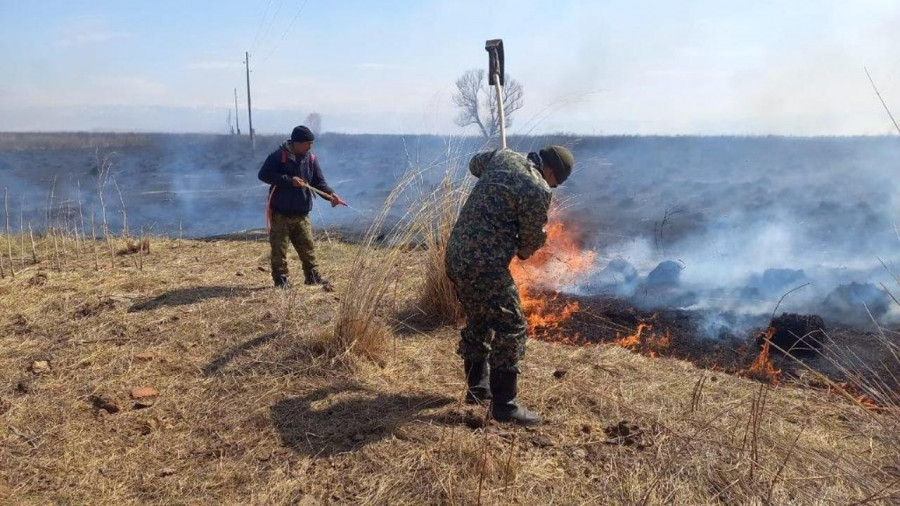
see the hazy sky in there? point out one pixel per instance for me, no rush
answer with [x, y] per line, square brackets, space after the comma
[663, 67]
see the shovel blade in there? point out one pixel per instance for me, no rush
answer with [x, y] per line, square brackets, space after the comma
[494, 47]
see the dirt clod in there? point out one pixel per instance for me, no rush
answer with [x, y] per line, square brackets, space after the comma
[627, 433]
[560, 373]
[40, 367]
[23, 386]
[105, 402]
[145, 356]
[20, 325]
[144, 397]
[148, 426]
[542, 441]
[39, 279]
[144, 393]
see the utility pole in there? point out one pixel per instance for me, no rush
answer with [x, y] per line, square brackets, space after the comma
[237, 123]
[249, 109]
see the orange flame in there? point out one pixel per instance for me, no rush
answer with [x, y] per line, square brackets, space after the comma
[644, 338]
[633, 340]
[762, 367]
[560, 262]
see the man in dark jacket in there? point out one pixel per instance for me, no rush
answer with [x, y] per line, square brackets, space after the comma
[504, 216]
[290, 171]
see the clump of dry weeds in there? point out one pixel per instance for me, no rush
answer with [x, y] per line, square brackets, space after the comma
[441, 206]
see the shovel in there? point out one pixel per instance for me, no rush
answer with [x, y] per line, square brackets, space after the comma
[496, 78]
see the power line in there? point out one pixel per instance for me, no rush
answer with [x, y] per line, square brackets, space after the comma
[259, 27]
[285, 34]
[268, 29]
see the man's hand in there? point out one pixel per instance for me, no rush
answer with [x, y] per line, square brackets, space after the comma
[298, 182]
[335, 200]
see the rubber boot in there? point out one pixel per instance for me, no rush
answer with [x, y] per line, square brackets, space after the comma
[477, 381]
[504, 408]
[282, 282]
[313, 278]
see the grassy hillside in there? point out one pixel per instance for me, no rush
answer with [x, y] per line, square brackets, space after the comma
[251, 409]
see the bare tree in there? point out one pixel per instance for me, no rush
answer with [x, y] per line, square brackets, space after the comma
[314, 122]
[477, 102]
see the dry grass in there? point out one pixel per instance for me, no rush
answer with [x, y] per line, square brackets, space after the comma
[440, 208]
[362, 325]
[252, 409]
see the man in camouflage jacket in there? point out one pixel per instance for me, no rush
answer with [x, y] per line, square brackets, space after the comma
[504, 215]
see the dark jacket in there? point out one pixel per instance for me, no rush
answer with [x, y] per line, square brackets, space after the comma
[279, 168]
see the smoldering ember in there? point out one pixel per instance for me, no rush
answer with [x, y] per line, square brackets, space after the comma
[211, 299]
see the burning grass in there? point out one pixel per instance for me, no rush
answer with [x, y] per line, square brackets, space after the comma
[252, 410]
[559, 263]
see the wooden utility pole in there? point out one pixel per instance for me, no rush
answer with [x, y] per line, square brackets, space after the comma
[249, 109]
[237, 123]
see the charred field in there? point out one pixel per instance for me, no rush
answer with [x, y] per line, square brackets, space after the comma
[799, 349]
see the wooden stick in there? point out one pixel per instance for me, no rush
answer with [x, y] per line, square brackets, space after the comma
[50, 226]
[62, 239]
[22, 232]
[81, 213]
[12, 263]
[77, 241]
[109, 244]
[94, 242]
[33, 247]
[56, 250]
[124, 214]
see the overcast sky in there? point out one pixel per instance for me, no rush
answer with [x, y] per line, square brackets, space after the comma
[610, 67]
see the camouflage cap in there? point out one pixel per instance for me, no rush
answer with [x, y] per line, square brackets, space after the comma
[560, 160]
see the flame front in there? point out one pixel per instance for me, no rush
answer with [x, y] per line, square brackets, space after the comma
[540, 278]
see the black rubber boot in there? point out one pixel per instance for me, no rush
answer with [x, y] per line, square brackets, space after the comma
[504, 407]
[477, 381]
[313, 278]
[282, 282]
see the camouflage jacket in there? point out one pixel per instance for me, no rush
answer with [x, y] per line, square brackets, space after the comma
[504, 215]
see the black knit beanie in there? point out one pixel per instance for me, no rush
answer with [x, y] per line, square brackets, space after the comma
[302, 134]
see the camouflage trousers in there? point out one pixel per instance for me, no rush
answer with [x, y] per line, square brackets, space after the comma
[495, 323]
[296, 230]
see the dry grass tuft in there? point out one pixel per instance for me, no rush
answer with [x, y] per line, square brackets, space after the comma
[362, 325]
[440, 209]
